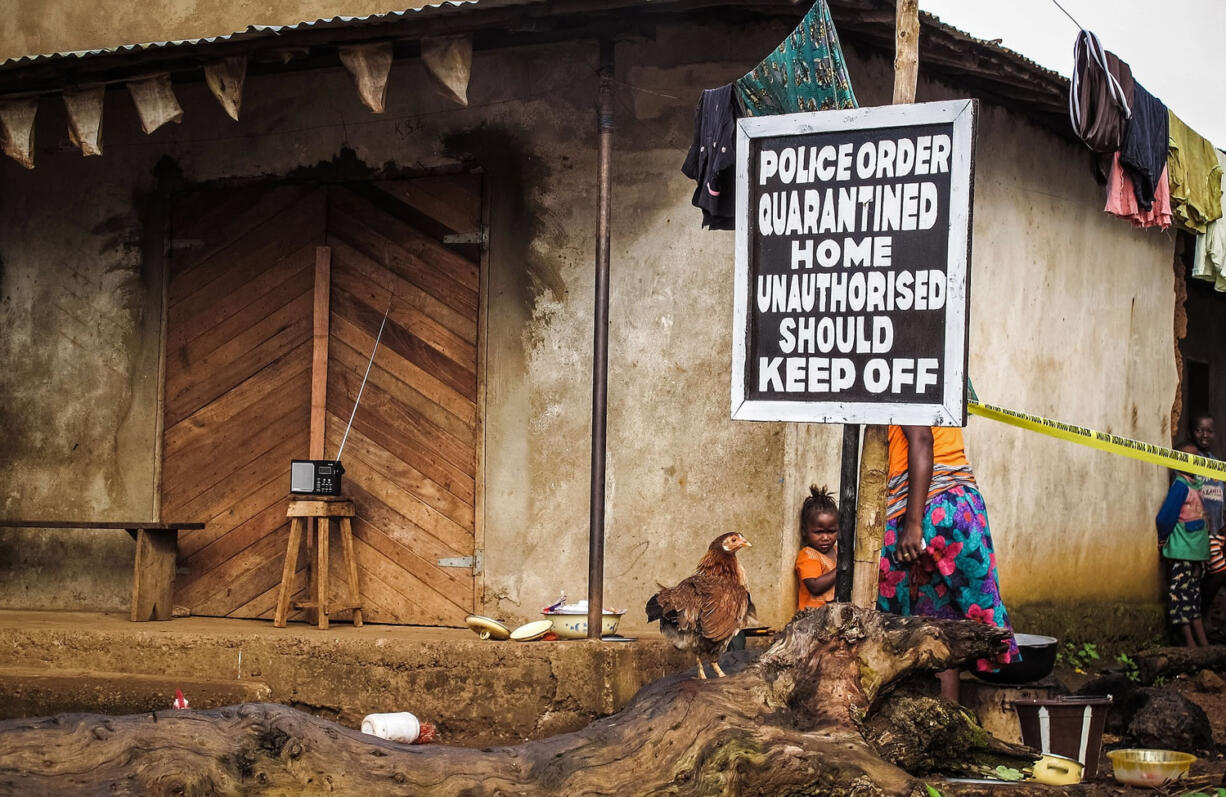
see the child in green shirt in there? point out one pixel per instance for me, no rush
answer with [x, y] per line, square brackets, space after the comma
[1184, 538]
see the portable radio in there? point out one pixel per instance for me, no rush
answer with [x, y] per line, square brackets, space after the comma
[315, 476]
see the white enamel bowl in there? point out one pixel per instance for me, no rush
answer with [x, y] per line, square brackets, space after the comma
[574, 626]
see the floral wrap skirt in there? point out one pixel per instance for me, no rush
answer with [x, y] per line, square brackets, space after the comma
[955, 577]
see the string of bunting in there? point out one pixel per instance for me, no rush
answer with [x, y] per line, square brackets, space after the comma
[448, 62]
[1103, 441]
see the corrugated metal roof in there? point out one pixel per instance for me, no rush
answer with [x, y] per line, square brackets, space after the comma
[251, 32]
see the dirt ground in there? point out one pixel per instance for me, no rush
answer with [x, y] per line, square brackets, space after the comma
[1208, 773]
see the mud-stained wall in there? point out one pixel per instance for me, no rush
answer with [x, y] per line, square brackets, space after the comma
[79, 348]
[1071, 313]
[53, 26]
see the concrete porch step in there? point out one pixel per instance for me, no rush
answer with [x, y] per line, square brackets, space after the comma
[38, 692]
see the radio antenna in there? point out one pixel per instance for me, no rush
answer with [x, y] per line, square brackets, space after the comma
[358, 400]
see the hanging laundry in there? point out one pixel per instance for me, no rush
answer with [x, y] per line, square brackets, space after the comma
[1195, 174]
[1209, 260]
[1122, 198]
[806, 72]
[712, 156]
[1143, 154]
[1100, 94]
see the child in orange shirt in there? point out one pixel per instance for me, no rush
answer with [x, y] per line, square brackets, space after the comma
[816, 563]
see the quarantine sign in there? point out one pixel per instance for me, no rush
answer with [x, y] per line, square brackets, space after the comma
[853, 265]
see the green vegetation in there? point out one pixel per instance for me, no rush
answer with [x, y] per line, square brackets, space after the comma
[1131, 671]
[1079, 657]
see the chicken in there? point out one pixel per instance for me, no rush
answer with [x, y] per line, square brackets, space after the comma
[703, 612]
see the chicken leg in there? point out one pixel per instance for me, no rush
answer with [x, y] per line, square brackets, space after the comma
[701, 672]
[715, 666]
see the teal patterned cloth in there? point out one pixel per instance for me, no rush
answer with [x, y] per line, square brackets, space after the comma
[806, 72]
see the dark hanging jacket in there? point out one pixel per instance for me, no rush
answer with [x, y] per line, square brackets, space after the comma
[712, 156]
[1143, 155]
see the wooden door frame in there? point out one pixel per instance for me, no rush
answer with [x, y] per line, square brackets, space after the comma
[483, 320]
[161, 217]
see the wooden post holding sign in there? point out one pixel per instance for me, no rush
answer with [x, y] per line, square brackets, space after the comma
[852, 270]
[870, 515]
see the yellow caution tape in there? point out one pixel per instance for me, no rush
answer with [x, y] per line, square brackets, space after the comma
[1112, 443]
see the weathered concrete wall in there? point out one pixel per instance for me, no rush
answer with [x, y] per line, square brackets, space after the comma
[1071, 316]
[80, 331]
[52, 26]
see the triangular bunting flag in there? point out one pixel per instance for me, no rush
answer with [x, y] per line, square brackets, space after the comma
[17, 129]
[84, 106]
[369, 64]
[225, 79]
[155, 101]
[449, 61]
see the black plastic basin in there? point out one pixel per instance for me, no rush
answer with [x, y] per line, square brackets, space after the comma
[1038, 659]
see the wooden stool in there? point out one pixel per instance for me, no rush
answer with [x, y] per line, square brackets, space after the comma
[320, 510]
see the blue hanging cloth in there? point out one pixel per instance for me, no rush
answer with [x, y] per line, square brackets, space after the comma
[806, 72]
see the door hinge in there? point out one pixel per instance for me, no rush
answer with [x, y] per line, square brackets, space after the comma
[479, 237]
[474, 562]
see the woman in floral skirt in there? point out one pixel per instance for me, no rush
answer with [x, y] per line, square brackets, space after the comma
[937, 559]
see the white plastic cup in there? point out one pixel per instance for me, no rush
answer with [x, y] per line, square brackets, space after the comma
[400, 726]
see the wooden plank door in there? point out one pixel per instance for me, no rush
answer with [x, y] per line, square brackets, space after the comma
[411, 456]
[238, 388]
[237, 396]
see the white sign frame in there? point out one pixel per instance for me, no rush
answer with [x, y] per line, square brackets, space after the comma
[951, 410]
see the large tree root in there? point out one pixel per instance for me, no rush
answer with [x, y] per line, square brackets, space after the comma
[789, 724]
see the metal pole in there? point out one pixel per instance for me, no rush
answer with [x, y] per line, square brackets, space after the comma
[847, 512]
[600, 346]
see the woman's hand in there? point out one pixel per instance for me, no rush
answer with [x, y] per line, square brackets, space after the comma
[919, 476]
[910, 542]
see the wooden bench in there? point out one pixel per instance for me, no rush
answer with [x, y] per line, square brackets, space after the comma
[153, 576]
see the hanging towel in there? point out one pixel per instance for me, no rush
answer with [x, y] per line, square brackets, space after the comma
[1100, 94]
[712, 156]
[1143, 154]
[806, 72]
[1196, 177]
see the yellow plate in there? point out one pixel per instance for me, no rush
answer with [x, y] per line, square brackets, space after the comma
[487, 628]
[531, 631]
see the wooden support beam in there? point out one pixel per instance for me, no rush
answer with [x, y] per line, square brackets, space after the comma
[870, 514]
[875, 456]
[319, 361]
[906, 50]
[153, 578]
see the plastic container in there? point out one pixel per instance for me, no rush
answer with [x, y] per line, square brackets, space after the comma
[1150, 768]
[1057, 770]
[1068, 726]
[400, 726]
